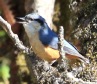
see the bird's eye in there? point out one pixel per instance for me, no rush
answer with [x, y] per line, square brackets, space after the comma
[30, 19]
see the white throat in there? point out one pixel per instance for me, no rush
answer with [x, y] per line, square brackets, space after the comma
[32, 28]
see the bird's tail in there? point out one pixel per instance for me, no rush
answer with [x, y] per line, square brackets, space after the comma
[84, 60]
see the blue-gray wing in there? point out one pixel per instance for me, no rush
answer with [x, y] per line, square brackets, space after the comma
[69, 49]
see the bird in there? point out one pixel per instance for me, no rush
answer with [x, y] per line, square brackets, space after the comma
[44, 41]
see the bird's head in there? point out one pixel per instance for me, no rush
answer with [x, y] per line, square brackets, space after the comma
[33, 20]
[30, 18]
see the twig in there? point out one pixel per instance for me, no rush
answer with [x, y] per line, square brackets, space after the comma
[63, 61]
[61, 42]
[7, 27]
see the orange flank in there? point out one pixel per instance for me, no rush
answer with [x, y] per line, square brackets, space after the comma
[54, 54]
[51, 54]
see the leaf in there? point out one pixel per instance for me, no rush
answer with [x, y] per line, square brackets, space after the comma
[2, 33]
[4, 71]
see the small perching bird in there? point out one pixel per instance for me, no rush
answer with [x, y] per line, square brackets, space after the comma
[44, 41]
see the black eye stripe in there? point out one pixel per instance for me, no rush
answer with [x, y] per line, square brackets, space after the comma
[30, 19]
[38, 20]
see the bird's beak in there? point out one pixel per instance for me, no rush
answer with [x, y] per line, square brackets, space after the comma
[21, 20]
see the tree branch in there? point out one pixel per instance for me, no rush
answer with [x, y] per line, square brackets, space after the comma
[61, 42]
[7, 27]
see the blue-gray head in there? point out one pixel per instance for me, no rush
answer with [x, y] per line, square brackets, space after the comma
[32, 22]
[30, 18]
